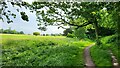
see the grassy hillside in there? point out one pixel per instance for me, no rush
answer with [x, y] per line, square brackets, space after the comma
[28, 50]
[101, 55]
[109, 42]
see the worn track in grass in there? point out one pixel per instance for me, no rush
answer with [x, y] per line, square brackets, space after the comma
[88, 60]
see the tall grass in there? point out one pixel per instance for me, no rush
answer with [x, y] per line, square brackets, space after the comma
[100, 54]
[110, 43]
[28, 50]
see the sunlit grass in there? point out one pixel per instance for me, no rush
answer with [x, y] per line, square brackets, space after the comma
[29, 50]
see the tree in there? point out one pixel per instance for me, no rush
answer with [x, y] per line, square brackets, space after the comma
[36, 33]
[6, 13]
[114, 10]
[9, 31]
[68, 30]
[67, 13]
[6, 31]
[80, 33]
[13, 32]
[117, 14]
[1, 30]
[21, 32]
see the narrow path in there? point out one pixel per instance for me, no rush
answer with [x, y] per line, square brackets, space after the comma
[88, 61]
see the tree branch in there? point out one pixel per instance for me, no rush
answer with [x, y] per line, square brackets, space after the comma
[72, 24]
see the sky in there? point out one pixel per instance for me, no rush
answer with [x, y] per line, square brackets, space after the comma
[29, 1]
[30, 26]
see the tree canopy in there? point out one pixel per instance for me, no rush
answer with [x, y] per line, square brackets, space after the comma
[36, 33]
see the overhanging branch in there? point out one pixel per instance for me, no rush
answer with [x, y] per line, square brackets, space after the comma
[72, 24]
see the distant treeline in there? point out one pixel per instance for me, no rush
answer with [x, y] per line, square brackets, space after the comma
[52, 34]
[9, 31]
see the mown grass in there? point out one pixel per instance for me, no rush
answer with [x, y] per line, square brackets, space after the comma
[100, 54]
[28, 50]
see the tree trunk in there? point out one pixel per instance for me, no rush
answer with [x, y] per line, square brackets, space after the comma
[96, 33]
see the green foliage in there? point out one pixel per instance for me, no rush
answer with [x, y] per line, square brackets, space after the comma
[100, 56]
[9, 31]
[107, 19]
[109, 42]
[90, 34]
[21, 32]
[68, 30]
[24, 16]
[70, 13]
[47, 34]
[109, 39]
[52, 34]
[8, 13]
[1, 30]
[103, 31]
[113, 39]
[80, 33]
[28, 50]
[36, 33]
[42, 28]
[106, 31]
[70, 35]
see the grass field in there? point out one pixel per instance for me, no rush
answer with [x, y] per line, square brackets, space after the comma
[29, 50]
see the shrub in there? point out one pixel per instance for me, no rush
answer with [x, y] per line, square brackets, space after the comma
[70, 35]
[68, 30]
[36, 33]
[112, 39]
[80, 33]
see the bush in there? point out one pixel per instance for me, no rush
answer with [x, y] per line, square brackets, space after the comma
[80, 33]
[36, 33]
[70, 35]
[68, 30]
[112, 39]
